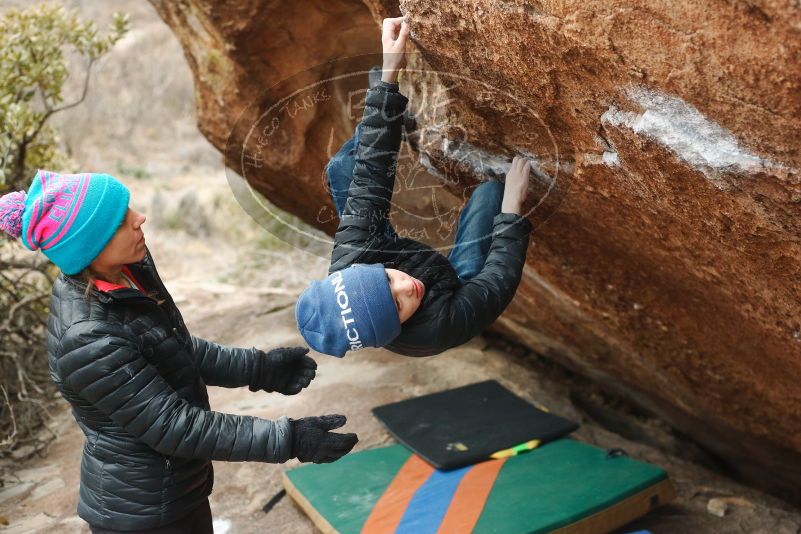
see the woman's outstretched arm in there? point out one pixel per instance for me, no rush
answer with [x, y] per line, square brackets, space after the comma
[222, 366]
[285, 370]
[102, 363]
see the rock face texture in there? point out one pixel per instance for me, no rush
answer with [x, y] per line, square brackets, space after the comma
[666, 257]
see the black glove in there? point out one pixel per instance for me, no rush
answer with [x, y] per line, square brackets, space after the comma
[286, 370]
[312, 440]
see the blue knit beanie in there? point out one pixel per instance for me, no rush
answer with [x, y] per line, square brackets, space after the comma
[349, 310]
[70, 217]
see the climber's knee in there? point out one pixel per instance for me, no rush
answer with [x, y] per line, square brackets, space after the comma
[489, 194]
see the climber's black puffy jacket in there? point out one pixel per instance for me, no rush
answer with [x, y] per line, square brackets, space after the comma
[452, 311]
[136, 380]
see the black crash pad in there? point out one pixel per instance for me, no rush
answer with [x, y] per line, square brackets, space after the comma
[466, 425]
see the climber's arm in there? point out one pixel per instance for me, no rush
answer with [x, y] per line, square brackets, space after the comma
[367, 208]
[481, 299]
[362, 223]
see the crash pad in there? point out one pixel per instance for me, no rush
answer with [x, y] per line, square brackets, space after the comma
[564, 486]
[465, 425]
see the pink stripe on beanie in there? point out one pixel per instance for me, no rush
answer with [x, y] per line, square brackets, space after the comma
[11, 207]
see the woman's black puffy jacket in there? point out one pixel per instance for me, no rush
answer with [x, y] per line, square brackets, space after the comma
[136, 380]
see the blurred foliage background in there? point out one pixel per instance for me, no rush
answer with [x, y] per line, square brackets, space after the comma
[34, 66]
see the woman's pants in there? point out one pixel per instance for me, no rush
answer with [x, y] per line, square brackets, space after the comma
[197, 522]
[474, 230]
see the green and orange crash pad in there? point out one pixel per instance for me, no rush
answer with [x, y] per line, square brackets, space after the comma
[565, 486]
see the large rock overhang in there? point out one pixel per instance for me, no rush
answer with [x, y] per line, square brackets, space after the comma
[667, 202]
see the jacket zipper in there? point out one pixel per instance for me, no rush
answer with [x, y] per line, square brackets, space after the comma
[163, 291]
[145, 298]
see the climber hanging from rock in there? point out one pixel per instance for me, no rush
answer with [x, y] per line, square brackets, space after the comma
[387, 291]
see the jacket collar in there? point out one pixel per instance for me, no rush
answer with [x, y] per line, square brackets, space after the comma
[143, 272]
[106, 287]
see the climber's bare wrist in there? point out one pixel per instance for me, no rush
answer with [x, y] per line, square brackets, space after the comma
[389, 75]
[510, 205]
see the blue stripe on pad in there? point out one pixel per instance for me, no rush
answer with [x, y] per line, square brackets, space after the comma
[430, 502]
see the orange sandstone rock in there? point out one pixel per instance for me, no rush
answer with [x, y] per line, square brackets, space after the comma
[666, 255]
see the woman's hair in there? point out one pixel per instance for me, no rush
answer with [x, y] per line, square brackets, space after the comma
[88, 276]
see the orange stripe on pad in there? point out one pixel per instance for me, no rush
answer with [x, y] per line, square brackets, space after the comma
[389, 510]
[470, 497]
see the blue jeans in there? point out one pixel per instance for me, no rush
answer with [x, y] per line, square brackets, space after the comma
[474, 230]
